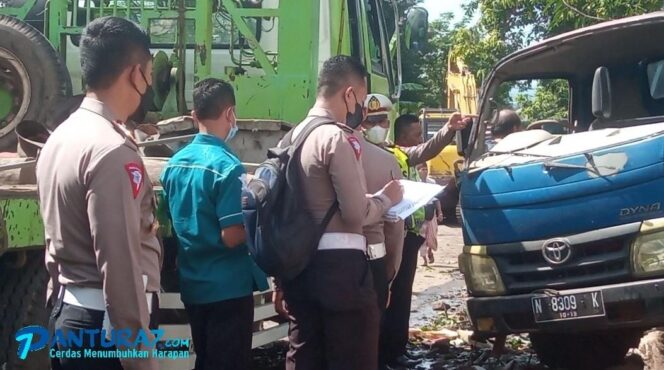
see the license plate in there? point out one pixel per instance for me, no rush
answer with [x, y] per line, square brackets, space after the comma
[568, 306]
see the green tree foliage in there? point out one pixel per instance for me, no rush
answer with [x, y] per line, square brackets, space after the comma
[520, 22]
[424, 71]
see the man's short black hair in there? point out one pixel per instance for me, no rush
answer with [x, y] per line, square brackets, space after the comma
[108, 46]
[402, 124]
[337, 72]
[211, 97]
[505, 124]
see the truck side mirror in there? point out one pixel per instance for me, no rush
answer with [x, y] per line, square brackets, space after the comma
[416, 31]
[462, 139]
[601, 93]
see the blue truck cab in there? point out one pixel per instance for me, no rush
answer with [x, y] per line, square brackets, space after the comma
[564, 232]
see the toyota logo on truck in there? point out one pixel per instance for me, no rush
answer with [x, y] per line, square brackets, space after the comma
[556, 251]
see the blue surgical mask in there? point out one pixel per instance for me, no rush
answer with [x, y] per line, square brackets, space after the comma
[233, 131]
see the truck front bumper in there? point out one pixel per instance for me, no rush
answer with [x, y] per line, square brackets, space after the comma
[635, 304]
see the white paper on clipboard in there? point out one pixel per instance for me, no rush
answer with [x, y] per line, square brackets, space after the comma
[415, 196]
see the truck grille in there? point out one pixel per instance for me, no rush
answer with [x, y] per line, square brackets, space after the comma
[598, 262]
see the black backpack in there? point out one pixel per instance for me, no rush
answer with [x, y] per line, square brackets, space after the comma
[280, 234]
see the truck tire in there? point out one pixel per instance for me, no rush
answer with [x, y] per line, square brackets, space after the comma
[33, 78]
[587, 351]
[23, 295]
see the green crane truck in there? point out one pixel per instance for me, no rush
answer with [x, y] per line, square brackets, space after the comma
[270, 50]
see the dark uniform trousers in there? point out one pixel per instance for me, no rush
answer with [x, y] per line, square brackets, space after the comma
[381, 285]
[66, 317]
[394, 337]
[382, 288]
[222, 333]
[333, 314]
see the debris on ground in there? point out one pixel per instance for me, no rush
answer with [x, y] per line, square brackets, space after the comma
[271, 356]
[447, 342]
[651, 350]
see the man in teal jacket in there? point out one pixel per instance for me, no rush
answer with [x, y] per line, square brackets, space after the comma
[203, 185]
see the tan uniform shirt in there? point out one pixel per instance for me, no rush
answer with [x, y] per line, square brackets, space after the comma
[379, 167]
[431, 148]
[97, 204]
[331, 168]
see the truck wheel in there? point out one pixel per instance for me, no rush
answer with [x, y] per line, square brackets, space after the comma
[596, 350]
[23, 295]
[33, 78]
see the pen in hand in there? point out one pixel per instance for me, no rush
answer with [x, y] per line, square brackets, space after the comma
[393, 190]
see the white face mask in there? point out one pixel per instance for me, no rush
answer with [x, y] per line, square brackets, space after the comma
[376, 135]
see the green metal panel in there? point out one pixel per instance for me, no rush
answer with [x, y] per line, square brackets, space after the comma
[298, 58]
[56, 20]
[22, 223]
[340, 28]
[203, 56]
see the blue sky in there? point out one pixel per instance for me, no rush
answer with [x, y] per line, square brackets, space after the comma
[435, 7]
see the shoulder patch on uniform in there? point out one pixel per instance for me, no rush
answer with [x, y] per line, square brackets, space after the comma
[355, 144]
[135, 172]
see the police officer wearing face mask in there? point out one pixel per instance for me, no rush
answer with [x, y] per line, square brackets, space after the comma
[96, 200]
[384, 238]
[203, 186]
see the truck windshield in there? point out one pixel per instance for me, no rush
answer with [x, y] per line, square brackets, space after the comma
[537, 104]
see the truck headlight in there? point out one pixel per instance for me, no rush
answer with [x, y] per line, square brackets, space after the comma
[648, 254]
[481, 274]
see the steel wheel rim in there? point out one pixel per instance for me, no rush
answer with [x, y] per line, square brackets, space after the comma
[14, 81]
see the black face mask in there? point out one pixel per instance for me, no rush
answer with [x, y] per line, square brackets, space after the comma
[146, 103]
[354, 119]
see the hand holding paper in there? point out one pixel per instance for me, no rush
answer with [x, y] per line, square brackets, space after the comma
[394, 191]
[415, 196]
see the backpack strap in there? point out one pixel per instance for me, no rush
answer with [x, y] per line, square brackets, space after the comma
[315, 123]
[328, 216]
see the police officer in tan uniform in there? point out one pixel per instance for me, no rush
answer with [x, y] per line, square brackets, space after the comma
[384, 238]
[97, 202]
[332, 304]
